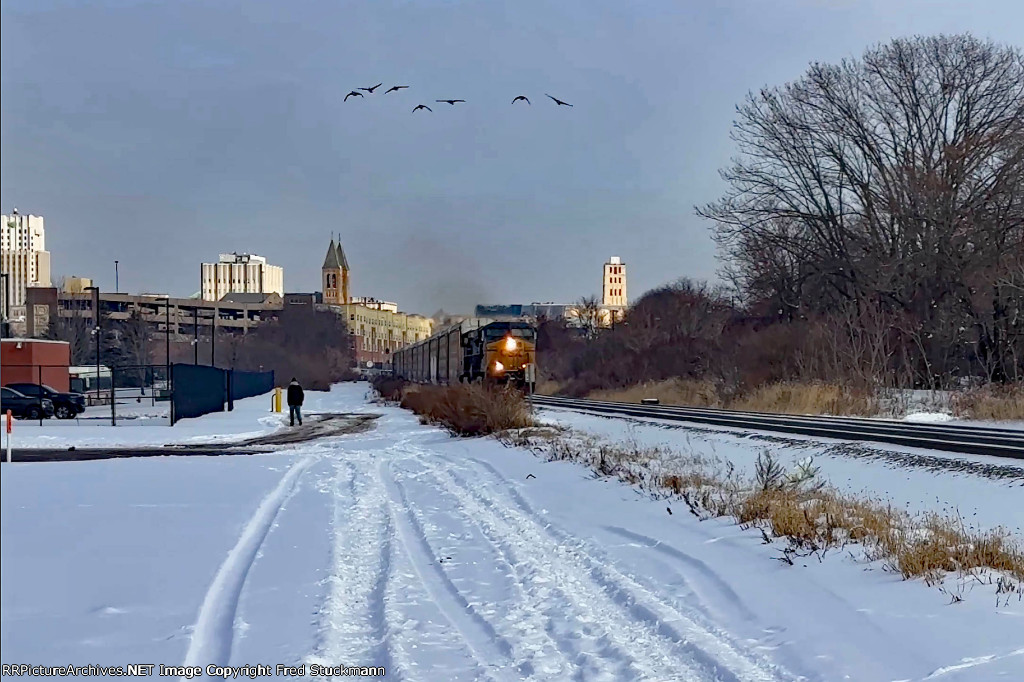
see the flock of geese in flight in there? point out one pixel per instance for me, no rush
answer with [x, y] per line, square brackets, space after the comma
[452, 102]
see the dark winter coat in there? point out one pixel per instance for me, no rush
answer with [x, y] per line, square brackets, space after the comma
[295, 395]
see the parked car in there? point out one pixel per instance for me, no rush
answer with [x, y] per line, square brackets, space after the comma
[65, 405]
[23, 406]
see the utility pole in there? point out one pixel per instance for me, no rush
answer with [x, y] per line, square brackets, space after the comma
[117, 284]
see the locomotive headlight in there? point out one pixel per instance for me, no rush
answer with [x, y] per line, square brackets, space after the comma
[498, 367]
[510, 344]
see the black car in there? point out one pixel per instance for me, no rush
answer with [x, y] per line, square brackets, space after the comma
[65, 405]
[23, 406]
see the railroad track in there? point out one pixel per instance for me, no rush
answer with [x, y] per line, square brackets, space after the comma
[962, 439]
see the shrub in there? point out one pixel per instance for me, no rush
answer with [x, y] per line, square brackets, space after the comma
[389, 388]
[469, 409]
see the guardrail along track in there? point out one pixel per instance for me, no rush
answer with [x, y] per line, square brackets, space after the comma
[969, 440]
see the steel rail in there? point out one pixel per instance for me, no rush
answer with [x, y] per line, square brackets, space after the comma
[996, 442]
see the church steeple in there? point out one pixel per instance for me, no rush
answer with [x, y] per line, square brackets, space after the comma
[335, 277]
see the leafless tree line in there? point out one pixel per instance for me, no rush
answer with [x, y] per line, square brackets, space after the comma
[674, 331]
[883, 199]
[122, 343]
[313, 346]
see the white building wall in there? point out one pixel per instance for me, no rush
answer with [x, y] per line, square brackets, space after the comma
[23, 233]
[24, 255]
[370, 302]
[234, 275]
[613, 287]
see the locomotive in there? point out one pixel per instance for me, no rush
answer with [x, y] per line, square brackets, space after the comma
[476, 350]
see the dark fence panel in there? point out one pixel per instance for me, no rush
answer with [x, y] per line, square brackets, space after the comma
[249, 384]
[197, 390]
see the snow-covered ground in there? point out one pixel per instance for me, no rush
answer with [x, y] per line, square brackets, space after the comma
[147, 424]
[451, 559]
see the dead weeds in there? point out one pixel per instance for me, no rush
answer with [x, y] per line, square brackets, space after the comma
[995, 403]
[779, 398]
[797, 507]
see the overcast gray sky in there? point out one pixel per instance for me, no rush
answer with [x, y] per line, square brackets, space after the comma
[163, 133]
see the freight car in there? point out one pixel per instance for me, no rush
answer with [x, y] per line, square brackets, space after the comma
[476, 350]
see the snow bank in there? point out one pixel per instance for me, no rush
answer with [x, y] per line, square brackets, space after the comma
[250, 418]
[459, 559]
[928, 417]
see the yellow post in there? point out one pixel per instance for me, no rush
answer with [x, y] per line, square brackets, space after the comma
[277, 399]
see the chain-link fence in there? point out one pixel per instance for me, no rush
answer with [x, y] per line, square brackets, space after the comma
[139, 394]
[88, 395]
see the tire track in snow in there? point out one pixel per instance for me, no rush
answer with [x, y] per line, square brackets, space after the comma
[531, 618]
[703, 643]
[708, 575]
[966, 663]
[214, 631]
[490, 650]
[354, 626]
[653, 655]
[880, 639]
[713, 582]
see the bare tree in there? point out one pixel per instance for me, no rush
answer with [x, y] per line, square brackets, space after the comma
[587, 312]
[895, 180]
[312, 345]
[78, 332]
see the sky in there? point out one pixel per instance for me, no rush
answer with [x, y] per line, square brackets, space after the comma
[161, 134]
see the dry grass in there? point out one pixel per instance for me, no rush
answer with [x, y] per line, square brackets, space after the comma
[782, 398]
[807, 398]
[548, 387]
[669, 392]
[469, 410]
[991, 402]
[797, 507]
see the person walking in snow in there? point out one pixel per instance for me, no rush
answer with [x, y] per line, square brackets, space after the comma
[295, 397]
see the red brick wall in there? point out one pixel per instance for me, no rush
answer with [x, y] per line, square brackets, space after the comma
[35, 360]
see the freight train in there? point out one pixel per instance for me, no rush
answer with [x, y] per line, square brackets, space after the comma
[476, 350]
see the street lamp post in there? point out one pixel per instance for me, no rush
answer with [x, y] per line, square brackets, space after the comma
[195, 335]
[117, 284]
[96, 329]
[213, 337]
[167, 352]
[7, 303]
[96, 333]
[167, 335]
